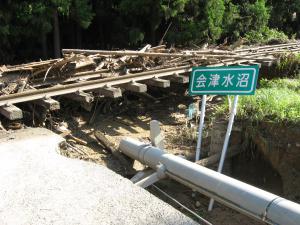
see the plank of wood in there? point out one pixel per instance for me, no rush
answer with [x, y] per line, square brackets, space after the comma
[213, 159]
[135, 87]
[110, 92]
[11, 112]
[179, 79]
[48, 103]
[80, 97]
[157, 82]
[113, 149]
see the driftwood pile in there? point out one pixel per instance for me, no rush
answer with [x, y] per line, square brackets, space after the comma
[82, 65]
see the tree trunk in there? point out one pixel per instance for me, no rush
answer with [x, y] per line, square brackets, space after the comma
[56, 35]
[152, 35]
[44, 46]
[78, 36]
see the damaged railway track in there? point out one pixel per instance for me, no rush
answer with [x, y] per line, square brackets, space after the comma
[83, 74]
[129, 82]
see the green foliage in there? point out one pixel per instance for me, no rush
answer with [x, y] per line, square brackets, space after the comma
[257, 15]
[136, 36]
[214, 12]
[82, 13]
[231, 19]
[123, 23]
[146, 16]
[285, 83]
[283, 16]
[265, 35]
[276, 100]
[171, 9]
[24, 21]
[190, 32]
[288, 65]
[62, 6]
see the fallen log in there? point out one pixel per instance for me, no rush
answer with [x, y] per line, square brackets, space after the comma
[111, 147]
[213, 159]
[77, 140]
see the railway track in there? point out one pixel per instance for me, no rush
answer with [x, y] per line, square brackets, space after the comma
[106, 83]
[116, 71]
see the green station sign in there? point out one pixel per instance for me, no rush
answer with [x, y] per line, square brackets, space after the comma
[225, 80]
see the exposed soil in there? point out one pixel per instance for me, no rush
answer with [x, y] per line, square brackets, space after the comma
[131, 115]
[169, 108]
[279, 144]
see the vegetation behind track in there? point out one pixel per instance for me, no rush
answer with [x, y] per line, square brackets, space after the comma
[33, 29]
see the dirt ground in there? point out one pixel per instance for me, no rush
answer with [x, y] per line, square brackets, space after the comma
[170, 109]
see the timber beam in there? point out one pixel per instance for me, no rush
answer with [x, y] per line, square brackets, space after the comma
[11, 112]
[181, 79]
[108, 91]
[48, 103]
[85, 99]
[157, 82]
[80, 96]
[134, 87]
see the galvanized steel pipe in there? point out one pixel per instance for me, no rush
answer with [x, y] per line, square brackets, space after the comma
[238, 195]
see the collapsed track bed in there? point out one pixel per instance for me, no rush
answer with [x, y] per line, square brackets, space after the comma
[82, 75]
[106, 91]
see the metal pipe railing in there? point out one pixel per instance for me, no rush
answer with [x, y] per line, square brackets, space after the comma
[238, 195]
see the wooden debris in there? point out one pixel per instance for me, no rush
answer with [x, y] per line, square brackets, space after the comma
[82, 66]
[11, 112]
[135, 87]
[181, 79]
[80, 97]
[110, 92]
[213, 159]
[77, 140]
[111, 147]
[157, 82]
[48, 103]
[62, 129]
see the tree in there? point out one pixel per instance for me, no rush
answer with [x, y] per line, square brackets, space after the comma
[28, 23]
[78, 10]
[31, 27]
[285, 15]
[214, 10]
[230, 20]
[145, 16]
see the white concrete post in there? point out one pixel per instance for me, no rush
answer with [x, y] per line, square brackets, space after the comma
[156, 136]
[226, 141]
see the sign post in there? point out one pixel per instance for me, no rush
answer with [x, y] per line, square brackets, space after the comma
[226, 141]
[201, 126]
[229, 80]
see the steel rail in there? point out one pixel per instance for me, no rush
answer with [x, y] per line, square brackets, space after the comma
[77, 78]
[155, 54]
[259, 48]
[136, 53]
[271, 52]
[264, 58]
[82, 76]
[64, 88]
[31, 95]
[182, 54]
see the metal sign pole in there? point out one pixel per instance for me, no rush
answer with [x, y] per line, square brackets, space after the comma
[201, 126]
[226, 141]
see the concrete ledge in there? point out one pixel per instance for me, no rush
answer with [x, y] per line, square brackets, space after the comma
[39, 186]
